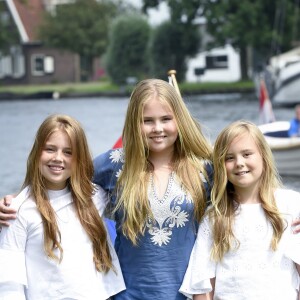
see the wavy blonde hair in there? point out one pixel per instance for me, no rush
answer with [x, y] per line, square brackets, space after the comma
[191, 148]
[80, 184]
[224, 208]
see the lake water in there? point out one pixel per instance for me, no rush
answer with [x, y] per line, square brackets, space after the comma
[102, 119]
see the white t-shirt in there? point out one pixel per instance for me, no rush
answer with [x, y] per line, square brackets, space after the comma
[253, 271]
[27, 273]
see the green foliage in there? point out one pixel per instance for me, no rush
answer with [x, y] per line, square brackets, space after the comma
[9, 35]
[263, 25]
[127, 51]
[267, 26]
[81, 27]
[182, 11]
[170, 46]
[175, 41]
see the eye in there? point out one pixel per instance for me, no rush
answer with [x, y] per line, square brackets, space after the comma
[49, 149]
[228, 158]
[68, 152]
[247, 154]
[166, 119]
[147, 121]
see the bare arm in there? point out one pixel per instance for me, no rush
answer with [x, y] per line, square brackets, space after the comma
[6, 213]
[201, 297]
[208, 296]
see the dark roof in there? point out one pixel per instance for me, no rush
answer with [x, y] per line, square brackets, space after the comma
[28, 16]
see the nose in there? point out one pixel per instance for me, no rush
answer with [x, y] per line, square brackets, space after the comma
[157, 127]
[58, 156]
[239, 161]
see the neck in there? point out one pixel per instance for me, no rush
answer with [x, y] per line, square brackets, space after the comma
[162, 162]
[247, 196]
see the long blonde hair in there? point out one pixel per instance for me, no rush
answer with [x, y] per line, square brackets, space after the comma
[223, 207]
[191, 148]
[80, 184]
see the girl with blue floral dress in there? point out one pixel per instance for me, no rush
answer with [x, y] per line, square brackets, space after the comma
[158, 185]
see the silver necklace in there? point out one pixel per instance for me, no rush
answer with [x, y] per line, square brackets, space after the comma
[167, 193]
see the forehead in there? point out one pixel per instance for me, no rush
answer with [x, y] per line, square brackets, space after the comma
[242, 142]
[59, 136]
[155, 105]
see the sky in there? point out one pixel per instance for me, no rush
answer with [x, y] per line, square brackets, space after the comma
[156, 16]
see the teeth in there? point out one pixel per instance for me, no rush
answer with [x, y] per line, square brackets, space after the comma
[242, 173]
[56, 168]
[157, 138]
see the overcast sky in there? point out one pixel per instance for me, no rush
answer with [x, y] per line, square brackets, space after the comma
[156, 16]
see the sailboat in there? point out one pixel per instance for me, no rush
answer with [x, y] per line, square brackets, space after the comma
[286, 150]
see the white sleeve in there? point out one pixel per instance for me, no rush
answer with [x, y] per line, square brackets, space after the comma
[11, 291]
[13, 278]
[292, 249]
[201, 268]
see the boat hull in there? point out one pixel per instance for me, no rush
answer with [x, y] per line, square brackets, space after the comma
[286, 150]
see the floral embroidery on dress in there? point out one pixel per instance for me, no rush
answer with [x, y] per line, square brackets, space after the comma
[117, 156]
[168, 214]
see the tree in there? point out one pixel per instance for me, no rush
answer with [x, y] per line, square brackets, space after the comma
[169, 47]
[9, 35]
[267, 26]
[80, 27]
[127, 54]
[250, 23]
[175, 41]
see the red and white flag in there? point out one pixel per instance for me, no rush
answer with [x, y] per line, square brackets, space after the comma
[266, 114]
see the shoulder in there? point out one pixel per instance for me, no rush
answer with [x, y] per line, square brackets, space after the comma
[111, 156]
[108, 165]
[287, 199]
[23, 199]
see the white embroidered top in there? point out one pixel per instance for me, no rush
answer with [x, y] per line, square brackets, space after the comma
[253, 271]
[27, 273]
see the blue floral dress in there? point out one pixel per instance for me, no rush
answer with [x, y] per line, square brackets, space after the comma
[154, 269]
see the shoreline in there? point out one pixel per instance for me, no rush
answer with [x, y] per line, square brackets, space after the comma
[9, 96]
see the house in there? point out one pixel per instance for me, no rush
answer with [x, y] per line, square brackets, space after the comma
[28, 61]
[216, 65]
[220, 64]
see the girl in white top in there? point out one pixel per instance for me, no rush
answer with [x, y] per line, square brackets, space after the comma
[58, 247]
[245, 248]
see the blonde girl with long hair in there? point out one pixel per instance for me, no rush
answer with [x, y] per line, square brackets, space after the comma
[158, 186]
[58, 248]
[245, 248]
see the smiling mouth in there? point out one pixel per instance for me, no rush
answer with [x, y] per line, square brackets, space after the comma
[158, 138]
[242, 173]
[56, 168]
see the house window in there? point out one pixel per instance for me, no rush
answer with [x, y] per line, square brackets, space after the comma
[216, 61]
[42, 65]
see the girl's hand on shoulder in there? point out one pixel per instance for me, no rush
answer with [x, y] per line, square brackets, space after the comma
[296, 226]
[6, 213]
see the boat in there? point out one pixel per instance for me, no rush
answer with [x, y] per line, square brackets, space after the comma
[283, 78]
[286, 150]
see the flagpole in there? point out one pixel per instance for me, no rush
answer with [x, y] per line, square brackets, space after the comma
[172, 74]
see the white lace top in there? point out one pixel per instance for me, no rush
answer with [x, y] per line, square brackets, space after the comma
[253, 271]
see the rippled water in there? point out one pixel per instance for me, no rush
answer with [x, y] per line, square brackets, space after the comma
[102, 119]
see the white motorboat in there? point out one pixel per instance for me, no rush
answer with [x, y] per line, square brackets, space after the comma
[286, 150]
[284, 78]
